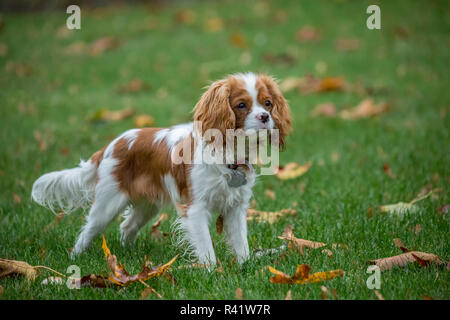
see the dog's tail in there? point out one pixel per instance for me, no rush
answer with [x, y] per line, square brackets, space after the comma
[66, 189]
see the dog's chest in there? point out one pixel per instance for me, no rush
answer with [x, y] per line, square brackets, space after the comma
[210, 186]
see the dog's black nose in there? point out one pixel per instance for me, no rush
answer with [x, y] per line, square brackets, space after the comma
[263, 117]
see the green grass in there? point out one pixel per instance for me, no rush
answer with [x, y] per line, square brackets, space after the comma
[332, 198]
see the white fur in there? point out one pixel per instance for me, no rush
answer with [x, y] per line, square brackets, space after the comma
[66, 189]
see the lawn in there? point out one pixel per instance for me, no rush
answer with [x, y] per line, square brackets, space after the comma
[52, 87]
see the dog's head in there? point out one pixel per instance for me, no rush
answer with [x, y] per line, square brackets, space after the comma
[244, 101]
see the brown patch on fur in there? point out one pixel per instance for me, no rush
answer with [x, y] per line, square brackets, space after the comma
[281, 115]
[141, 169]
[98, 156]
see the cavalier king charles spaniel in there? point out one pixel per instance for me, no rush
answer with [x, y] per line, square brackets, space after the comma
[135, 173]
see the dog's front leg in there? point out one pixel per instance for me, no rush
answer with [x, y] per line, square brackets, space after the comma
[196, 227]
[235, 225]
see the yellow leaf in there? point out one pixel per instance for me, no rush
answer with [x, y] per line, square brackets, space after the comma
[144, 120]
[292, 170]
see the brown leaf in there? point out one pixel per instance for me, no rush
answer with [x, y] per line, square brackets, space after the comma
[379, 296]
[348, 44]
[103, 44]
[325, 293]
[219, 224]
[40, 139]
[155, 233]
[308, 34]
[121, 277]
[17, 268]
[288, 295]
[268, 216]
[238, 40]
[292, 170]
[214, 24]
[296, 243]
[302, 275]
[367, 108]
[324, 109]
[400, 245]
[239, 294]
[403, 259]
[185, 16]
[133, 86]
[144, 120]
[270, 194]
[17, 199]
[281, 58]
[112, 116]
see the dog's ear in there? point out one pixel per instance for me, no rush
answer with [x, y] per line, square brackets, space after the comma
[280, 111]
[213, 109]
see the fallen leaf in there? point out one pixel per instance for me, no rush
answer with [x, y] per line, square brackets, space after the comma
[121, 277]
[112, 116]
[1, 291]
[281, 58]
[214, 24]
[308, 34]
[268, 216]
[19, 68]
[239, 294]
[17, 268]
[17, 199]
[155, 233]
[40, 139]
[325, 293]
[310, 84]
[328, 252]
[427, 297]
[296, 243]
[379, 296]
[103, 44]
[290, 83]
[185, 16]
[302, 275]
[219, 224]
[270, 194]
[288, 295]
[238, 40]
[133, 86]
[292, 170]
[3, 49]
[324, 109]
[402, 208]
[347, 44]
[408, 256]
[144, 120]
[367, 108]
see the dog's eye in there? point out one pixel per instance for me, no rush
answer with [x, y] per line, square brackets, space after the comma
[268, 103]
[241, 105]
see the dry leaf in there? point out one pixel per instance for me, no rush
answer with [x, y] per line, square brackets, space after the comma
[302, 275]
[402, 260]
[101, 45]
[214, 25]
[310, 84]
[185, 16]
[296, 243]
[270, 194]
[134, 85]
[219, 224]
[324, 109]
[17, 268]
[308, 34]
[325, 293]
[268, 216]
[292, 170]
[239, 294]
[367, 108]
[155, 233]
[288, 295]
[290, 83]
[348, 44]
[379, 296]
[328, 252]
[238, 40]
[40, 139]
[121, 277]
[17, 199]
[282, 58]
[144, 120]
[112, 116]
[401, 208]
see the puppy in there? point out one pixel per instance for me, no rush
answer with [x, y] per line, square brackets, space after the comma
[136, 172]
